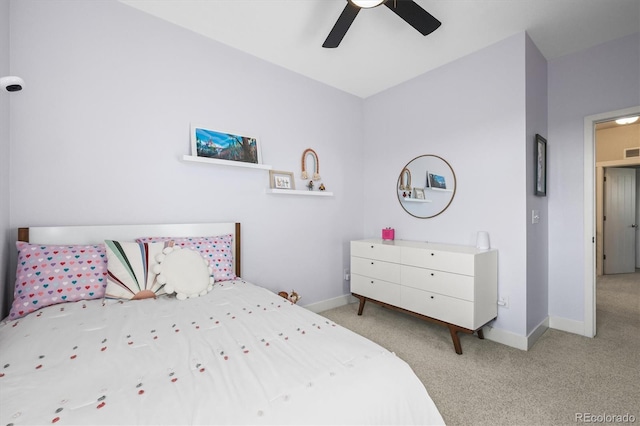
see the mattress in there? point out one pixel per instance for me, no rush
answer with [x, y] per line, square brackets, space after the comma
[238, 355]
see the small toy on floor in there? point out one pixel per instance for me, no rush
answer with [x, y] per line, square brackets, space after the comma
[293, 297]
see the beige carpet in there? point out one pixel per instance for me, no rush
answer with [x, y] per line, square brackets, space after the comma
[491, 384]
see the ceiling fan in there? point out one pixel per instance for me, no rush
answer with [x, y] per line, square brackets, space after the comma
[408, 10]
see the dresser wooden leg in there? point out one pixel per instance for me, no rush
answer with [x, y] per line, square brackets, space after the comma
[453, 329]
[361, 306]
[456, 339]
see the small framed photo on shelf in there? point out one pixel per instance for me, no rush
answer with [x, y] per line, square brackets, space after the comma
[437, 181]
[418, 193]
[281, 180]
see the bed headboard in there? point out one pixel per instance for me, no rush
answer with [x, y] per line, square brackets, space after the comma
[97, 234]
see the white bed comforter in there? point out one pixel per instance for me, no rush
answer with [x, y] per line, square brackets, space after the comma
[240, 355]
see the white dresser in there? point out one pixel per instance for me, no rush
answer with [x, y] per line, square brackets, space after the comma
[454, 285]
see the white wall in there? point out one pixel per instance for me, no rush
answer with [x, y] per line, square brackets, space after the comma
[597, 80]
[98, 135]
[537, 234]
[5, 246]
[470, 112]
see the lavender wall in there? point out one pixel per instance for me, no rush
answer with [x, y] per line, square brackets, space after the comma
[99, 134]
[471, 112]
[537, 234]
[5, 244]
[597, 80]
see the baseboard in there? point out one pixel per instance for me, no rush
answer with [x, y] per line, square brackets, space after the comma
[568, 325]
[506, 338]
[526, 342]
[336, 302]
[538, 331]
[494, 334]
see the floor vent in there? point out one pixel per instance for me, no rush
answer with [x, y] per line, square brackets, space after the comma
[632, 152]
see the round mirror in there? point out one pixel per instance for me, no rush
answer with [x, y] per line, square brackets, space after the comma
[426, 186]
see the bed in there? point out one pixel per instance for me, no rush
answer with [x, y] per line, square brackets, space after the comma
[235, 353]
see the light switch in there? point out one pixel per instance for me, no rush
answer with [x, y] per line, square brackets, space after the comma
[535, 216]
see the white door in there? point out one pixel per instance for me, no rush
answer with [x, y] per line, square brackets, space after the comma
[637, 218]
[619, 224]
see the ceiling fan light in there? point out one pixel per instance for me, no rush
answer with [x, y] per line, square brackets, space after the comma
[366, 4]
[627, 120]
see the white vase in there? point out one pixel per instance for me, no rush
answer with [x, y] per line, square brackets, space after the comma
[482, 241]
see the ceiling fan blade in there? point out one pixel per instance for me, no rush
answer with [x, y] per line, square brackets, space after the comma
[341, 26]
[415, 16]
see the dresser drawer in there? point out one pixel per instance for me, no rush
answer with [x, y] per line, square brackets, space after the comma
[376, 289]
[376, 269]
[445, 283]
[460, 263]
[444, 308]
[379, 251]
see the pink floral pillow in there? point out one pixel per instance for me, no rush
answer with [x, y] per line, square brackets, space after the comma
[51, 274]
[217, 250]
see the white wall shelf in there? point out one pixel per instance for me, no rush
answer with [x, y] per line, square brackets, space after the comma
[416, 200]
[439, 189]
[206, 160]
[276, 191]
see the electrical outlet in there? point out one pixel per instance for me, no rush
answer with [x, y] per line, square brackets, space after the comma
[535, 216]
[503, 302]
[347, 275]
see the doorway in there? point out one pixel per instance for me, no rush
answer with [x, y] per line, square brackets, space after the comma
[617, 156]
[590, 217]
[619, 222]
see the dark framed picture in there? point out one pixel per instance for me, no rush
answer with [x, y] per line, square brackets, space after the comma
[224, 146]
[540, 166]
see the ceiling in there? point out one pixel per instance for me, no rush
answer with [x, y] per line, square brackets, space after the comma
[380, 50]
[612, 124]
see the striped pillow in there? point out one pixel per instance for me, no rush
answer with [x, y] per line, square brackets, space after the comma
[130, 270]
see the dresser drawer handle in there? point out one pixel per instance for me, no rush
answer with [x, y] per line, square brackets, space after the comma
[372, 263]
[433, 297]
[432, 274]
[371, 246]
[433, 254]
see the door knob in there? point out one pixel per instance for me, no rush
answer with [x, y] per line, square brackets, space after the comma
[633, 225]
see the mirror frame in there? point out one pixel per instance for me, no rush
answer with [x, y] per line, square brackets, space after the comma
[401, 182]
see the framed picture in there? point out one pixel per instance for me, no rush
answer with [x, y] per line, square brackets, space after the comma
[281, 180]
[222, 145]
[437, 181]
[418, 193]
[540, 166]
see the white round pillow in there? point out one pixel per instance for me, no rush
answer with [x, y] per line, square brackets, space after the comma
[183, 272]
